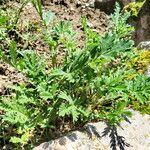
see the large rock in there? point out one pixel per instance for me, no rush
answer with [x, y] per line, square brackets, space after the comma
[142, 24]
[105, 5]
[108, 5]
[100, 136]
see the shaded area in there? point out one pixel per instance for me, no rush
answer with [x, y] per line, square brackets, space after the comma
[116, 140]
[142, 24]
[72, 137]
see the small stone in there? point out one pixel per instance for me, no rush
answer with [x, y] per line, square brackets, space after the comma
[87, 5]
[90, 24]
[91, 3]
[83, 7]
[145, 45]
[71, 8]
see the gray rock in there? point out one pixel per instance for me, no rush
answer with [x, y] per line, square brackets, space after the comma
[142, 24]
[147, 73]
[105, 5]
[100, 136]
[145, 45]
[73, 141]
[108, 5]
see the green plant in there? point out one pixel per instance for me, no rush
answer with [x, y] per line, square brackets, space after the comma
[60, 36]
[12, 57]
[6, 24]
[141, 62]
[92, 83]
[134, 7]
[46, 16]
[143, 108]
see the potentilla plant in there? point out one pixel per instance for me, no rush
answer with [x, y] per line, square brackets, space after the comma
[92, 83]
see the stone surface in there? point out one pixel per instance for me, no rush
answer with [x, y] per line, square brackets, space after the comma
[142, 24]
[99, 136]
[145, 45]
[108, 5]
[105, 5]
[148, 71]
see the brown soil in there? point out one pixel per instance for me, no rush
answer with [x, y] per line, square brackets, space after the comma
[9, 76]
[71, 11]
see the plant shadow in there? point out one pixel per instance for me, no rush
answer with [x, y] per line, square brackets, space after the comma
[116, 141]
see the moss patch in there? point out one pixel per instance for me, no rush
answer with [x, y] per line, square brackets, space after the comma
[143, 108]
[141, 62]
